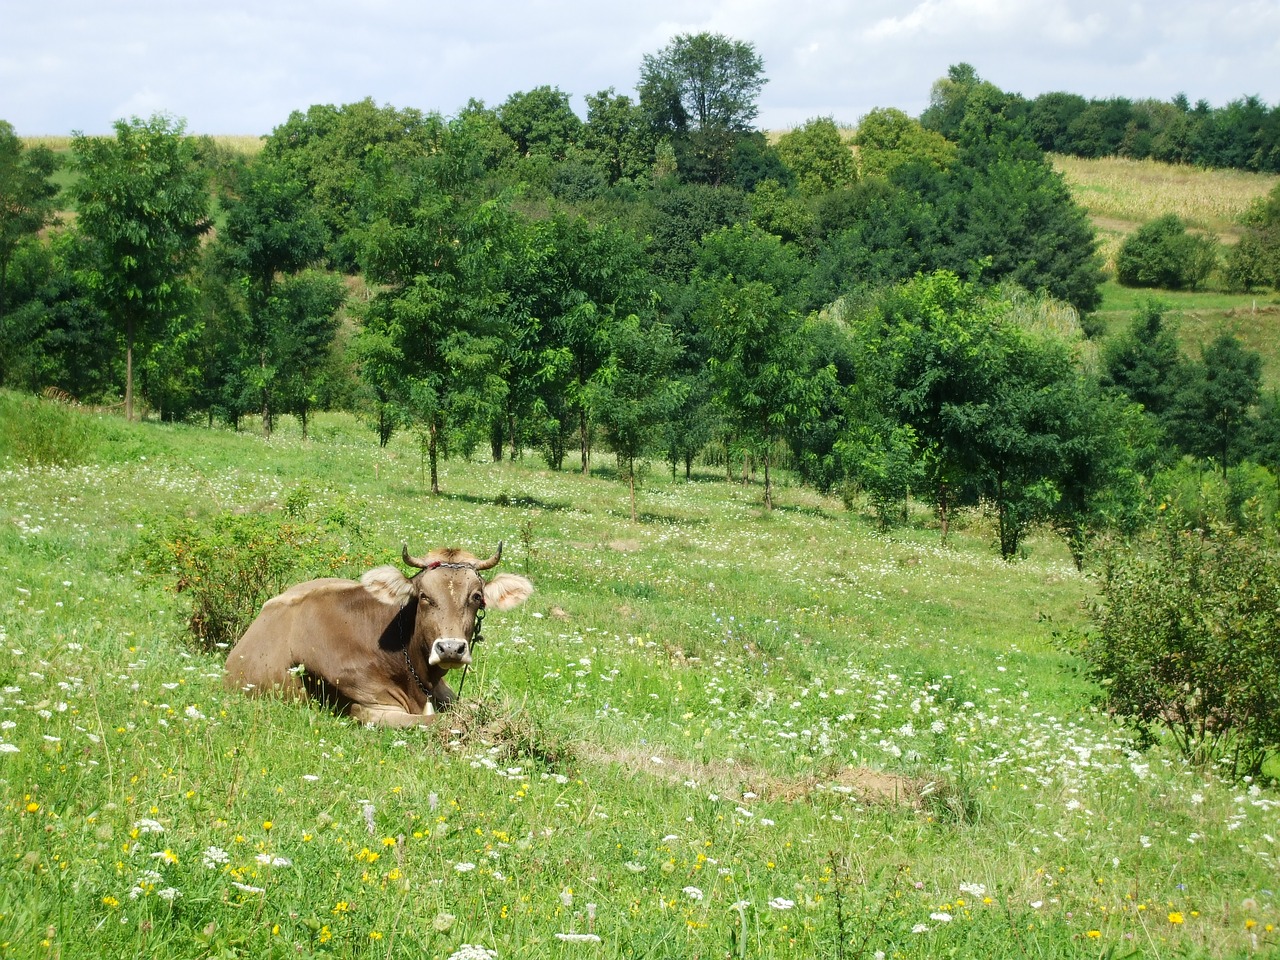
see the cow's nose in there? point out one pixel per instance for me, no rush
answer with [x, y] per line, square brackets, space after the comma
[450, 652]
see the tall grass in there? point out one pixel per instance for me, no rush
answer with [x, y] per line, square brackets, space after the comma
[714, 732]
[1124, 194]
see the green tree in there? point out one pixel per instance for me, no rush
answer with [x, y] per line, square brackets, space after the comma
[634, 394]
[27, 197]
[302, 320]
[617, 137]
[273, 230]
[143, 200]
[430, 338]
[764, 373]
[1255, 260]
[1210, 414]
[540, 121]
[1161, 253]
[818, 155]
[888, 138]
[335, 151]
[1146, 363]
[701, 90]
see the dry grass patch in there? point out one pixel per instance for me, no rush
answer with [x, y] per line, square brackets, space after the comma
[1120, 194]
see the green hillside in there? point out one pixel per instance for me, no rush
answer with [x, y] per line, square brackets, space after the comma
[712, 732]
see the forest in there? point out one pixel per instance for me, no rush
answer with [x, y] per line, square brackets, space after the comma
[904, 312]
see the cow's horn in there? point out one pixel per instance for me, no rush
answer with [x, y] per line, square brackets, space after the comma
[492, 561]
[413, 561]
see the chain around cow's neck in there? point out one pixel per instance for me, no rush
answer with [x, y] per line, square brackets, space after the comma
[475, 638]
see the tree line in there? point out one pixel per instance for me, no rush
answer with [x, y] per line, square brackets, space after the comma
[659, 281]
[1242, 135]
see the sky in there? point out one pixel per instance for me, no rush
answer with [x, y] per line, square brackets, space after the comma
[243, 66]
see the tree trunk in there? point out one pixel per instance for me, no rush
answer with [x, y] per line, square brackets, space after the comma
[944, 511]
[586, 445]
[433, 452]
[768, 486]
[632, 470]
[128, 368]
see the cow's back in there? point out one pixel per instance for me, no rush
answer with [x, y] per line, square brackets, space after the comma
[300, 624]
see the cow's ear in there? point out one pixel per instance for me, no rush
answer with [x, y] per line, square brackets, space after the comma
[388, 585]
[507, 590]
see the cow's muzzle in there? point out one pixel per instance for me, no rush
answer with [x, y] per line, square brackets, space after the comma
[450, 653]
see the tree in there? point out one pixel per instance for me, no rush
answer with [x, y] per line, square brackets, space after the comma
[302, 319]
[273, 230]
[430, 338]
[336, 151]
[1210, 415]
[1145, 361]
[1006, 214]
[617, 137]
[1161, 253]
[1255, 260]
[633, 394]
[818, 156]
[761, 360]
[26, 197]
[143, 200]
[888, 138]
[541, 122]
[701, 91]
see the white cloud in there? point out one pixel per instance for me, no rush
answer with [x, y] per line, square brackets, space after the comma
[236, 66]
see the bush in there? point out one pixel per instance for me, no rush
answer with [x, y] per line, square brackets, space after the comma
[41, 432]
[230, 564]
[1162, 254]
[1185, 642]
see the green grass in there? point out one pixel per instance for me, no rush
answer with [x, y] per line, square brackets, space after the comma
[716, 732]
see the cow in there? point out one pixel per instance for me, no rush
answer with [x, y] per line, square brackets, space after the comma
[376, 649]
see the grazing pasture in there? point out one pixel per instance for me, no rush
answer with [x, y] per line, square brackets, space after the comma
[714, 732]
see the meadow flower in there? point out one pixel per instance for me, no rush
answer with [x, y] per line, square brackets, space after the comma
[941, 916]
[578, 937]
[693, 893]
[464, 867]
[920, 928]
[246, 888]
[473, 951]
[443, 922]
[1175, 917]
[214, 856]
[974, 889]
[781, 903]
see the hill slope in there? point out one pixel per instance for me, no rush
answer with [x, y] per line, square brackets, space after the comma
[713, 732]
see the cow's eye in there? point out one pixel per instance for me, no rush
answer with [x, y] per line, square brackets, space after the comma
[478, 598]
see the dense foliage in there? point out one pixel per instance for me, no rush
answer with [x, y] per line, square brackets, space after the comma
[1243, 135]
[657, 280]
[1184, 645]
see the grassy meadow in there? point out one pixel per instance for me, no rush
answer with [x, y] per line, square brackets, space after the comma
[717, 732]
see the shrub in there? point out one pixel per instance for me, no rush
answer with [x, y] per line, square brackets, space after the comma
[1162, 254]
[40, 432]
[1184, 642]
[229, 564]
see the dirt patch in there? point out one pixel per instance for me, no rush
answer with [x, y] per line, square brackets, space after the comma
[736, 779]
[624, 546]
[508, 734]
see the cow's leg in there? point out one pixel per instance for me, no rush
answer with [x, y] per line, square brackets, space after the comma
[385, 716]
[443, 696]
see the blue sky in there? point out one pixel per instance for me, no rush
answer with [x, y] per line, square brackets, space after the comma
[239, 67]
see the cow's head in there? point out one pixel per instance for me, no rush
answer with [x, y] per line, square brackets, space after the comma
[451, 596]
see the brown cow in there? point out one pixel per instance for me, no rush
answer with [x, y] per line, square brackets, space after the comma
[376, 649]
